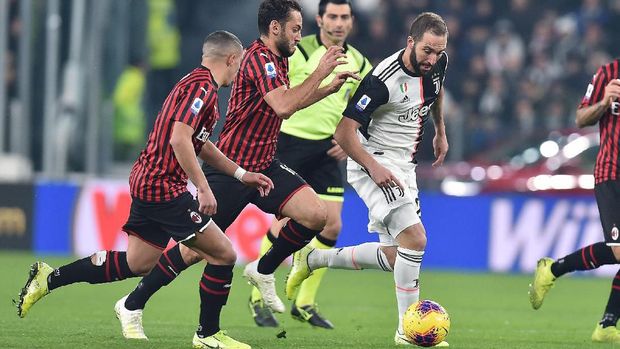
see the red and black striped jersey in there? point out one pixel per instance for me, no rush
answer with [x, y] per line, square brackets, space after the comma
[156, 175]
[251, 129]
[606, 167]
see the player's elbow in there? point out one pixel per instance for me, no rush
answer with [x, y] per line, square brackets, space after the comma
[176, 140]
[284, 111]
[341, 133]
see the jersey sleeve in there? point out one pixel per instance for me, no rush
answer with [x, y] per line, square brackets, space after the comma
[195, 103]
[264, 72]
[371, 94]
[596, 89]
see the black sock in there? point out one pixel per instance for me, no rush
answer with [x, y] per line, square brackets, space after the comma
[612, 310]
[292, 238]
[325, 241]
[609, 319]
[589, 257]
[272, 238]
[214, 289]
[169, 266]
[109, 266]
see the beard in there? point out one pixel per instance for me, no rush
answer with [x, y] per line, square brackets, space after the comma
[283, 46]
[416, 64]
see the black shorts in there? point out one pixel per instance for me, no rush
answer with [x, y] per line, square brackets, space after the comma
[157, 222]
[608, 200]
[232, 196]
[309, 158]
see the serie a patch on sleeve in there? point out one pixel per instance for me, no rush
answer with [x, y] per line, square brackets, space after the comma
[196, 105]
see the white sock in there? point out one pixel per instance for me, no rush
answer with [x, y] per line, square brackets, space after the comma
[406, 276]
[364, 256]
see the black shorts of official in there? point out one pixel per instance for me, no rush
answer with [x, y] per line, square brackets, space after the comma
[608, 200]
[309, 158]
[232, 196]
[157, 222]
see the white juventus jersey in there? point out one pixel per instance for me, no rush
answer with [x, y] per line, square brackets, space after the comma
[393, 103]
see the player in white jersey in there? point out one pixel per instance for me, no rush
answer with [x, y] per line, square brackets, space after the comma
[380, 132]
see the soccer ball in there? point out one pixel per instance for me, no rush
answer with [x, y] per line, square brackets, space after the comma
[426, 323]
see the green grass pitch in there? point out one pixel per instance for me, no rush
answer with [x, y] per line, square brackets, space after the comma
[487, 311]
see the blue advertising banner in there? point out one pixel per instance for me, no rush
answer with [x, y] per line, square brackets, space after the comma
[499, 233]
[53, 217]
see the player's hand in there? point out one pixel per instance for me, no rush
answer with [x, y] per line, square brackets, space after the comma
[336, 151]
[340, 79]
[333, 57]
[440, 149]
[384, 177]
[612, 92]
[206, 202]
[259, 181]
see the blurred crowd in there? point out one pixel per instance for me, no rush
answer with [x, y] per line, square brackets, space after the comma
[517, 67]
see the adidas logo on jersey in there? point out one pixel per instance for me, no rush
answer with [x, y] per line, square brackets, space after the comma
[405, 99]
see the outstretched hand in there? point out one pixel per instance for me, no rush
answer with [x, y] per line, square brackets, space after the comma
[330, 60]
[340, 79]
[259, 181]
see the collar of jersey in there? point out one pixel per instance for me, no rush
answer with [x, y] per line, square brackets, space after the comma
[404, 68]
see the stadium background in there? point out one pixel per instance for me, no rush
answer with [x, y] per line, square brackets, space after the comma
[82, 81]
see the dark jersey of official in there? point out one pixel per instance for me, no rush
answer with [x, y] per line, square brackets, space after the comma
[251, 129]
[606, 167]
[157, 176]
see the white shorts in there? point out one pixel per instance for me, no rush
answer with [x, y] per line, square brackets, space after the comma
[391, 210]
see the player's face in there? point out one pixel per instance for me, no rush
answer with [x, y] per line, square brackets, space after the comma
[290, 34]
[337, 22]
[425, 53]
[233, 64]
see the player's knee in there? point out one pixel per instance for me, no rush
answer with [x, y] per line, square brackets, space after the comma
[412, 239]
[226, 257]
[189, 256]
[140, 270]
[318, 217]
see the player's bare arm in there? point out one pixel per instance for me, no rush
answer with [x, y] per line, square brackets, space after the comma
[336, 151]
[588, 116]
[285, 102]
[181, 142]
[346, 136]
[214, 157]
[440, 141]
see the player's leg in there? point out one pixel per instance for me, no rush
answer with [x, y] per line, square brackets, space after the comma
[605, 330]
[411, 244]
[291, 198]
[586, 258]
[214, 287]
[101, 267]
[326, 178]
[261, 313]
[304, 306]
[170, 265]
[179, 257]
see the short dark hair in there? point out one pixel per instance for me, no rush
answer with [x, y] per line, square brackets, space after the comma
[323, 5]
[277, 10]
[220, 43]
[427, 22]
